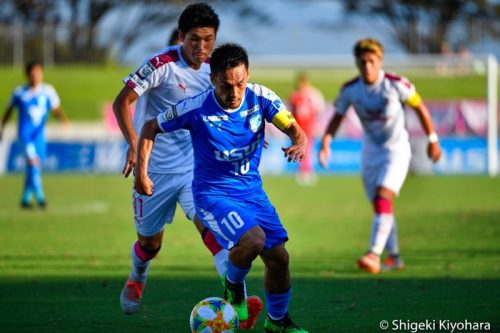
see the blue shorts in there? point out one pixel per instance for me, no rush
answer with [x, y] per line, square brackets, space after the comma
[230, 217]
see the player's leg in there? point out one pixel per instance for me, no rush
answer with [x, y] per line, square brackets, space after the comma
[40, 148]
[277, 274]
[185, 199]
[150, 214]
[393, 262]
[32, 162]
[236, 230]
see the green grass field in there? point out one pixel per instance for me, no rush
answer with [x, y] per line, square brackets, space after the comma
[61, 270]
[84, 90]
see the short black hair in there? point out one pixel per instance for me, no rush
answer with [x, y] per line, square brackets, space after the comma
[174, 37]
[198, 15]
[30, 65]
[226, 56]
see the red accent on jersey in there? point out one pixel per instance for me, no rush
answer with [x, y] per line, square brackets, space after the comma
[207, 61]
[165, 58]
[210, 242]
[131, 84]
[393, 77]
[350, 82]
[382, 205]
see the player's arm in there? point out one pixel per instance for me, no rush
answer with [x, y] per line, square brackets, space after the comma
[286, 123]
[121, 109]
[433, 148]
[143, 183]
[331, 130]
[60, 115]
[5, 119]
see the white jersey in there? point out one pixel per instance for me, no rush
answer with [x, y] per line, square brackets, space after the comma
[162, 81]
[380, 108]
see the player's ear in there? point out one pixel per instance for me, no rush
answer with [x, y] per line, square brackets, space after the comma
[181, 36]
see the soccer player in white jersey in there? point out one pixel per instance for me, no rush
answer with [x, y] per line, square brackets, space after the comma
[34, 101]
[378, 98]
[172, 74]
[227, 125]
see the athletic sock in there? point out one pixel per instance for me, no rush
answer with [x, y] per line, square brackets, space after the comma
[235, 274]
[277, 304]
[141, 260]
[392, 245]
[28, 185]
[382, 224]
[220, 255]
[37, 184]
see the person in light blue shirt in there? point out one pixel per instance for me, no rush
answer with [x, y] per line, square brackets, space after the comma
[226, 124]
[34, 102]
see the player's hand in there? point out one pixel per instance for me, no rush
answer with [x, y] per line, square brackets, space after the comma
[129, 161]
[143, 185]
[324, 156]
[434, 151]
[295, 153]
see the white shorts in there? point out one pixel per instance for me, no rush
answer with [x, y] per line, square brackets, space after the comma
[387, 168]
[152, 213]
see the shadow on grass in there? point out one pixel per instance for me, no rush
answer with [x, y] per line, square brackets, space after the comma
[319, 305]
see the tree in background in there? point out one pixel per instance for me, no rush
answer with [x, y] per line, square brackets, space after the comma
[421, 26]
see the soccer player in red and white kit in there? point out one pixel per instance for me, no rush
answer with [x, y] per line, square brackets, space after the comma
[306, 103]
[170, 75]
[379, 98]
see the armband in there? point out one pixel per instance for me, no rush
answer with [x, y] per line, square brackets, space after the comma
[282, 119]
[414, 100]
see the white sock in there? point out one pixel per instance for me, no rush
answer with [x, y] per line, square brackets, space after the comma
[140, 268]
[220, 261]
[381, 228]
[392, 245]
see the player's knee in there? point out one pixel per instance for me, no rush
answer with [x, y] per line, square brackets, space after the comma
[253, 241]
[276, 258]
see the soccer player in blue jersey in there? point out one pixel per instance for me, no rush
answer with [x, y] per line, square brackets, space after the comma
[226, 125]
[34, 101]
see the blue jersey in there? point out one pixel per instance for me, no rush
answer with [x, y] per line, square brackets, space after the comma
[227, 144]
[34, 106]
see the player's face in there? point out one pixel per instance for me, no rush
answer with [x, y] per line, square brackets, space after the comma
[230, 86]
[369, 65]
[198, 44]
[35, 76]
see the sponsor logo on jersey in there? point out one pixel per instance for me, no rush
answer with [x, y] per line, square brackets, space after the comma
[255, 122]
[250, 111]
[183, 86]
[238, 153]
[170, 114]
[215, 118]
[145, 70]
[138, 81]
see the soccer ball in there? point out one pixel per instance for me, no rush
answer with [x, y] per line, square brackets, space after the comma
[213, 315]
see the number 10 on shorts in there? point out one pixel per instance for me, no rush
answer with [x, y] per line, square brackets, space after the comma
[232, 222]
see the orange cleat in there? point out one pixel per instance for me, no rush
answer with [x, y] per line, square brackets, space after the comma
[370, 262]
[392, 263]
[130, 297]
[255, 306]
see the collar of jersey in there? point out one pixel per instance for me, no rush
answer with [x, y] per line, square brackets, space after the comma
[227, 110]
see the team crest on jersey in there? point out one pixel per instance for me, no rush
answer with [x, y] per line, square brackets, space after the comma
[250, 111]
[255, 122]
[278, 104]
[170, 114]
[145, 70]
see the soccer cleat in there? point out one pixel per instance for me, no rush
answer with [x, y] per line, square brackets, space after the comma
[235, 294]
[370, 262]
[130, 297]
[26, 206]
[393, 263]
[255, 306]
[284, 325]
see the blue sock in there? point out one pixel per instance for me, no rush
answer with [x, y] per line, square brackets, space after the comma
[235, 274]
[277, 304]
[28, 185]
[37, 183]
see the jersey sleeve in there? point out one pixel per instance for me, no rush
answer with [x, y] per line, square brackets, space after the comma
[53, 97]
[273, 108]
[176, 117]
[14, 98]
[342, 102]
[146, 77]
[407, 92]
